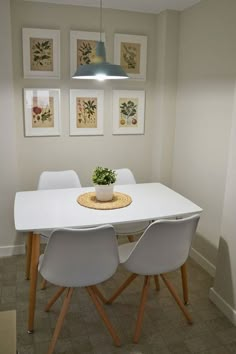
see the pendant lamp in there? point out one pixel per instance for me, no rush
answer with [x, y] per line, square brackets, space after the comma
[100, 69]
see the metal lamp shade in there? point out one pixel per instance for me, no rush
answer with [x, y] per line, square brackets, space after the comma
[101, 70]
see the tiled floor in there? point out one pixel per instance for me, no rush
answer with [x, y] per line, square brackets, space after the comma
[164, 329]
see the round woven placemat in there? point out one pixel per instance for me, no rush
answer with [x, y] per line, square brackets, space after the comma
[119, 200]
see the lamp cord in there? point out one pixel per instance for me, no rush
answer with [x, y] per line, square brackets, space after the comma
[100, 20]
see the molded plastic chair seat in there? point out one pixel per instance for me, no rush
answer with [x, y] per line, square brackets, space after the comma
[125, 251]
[164, 247]
[45, 234]
[51, 180]
[133, 228]
[125, 176]
[80, 258]
[57, 180]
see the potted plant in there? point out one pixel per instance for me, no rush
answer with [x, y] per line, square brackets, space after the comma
[104, 179]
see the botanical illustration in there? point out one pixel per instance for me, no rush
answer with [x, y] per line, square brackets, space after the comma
[86, 112]
[41, 54]
[43, 112]
[128, 116]
[130, 57]
[86, 51]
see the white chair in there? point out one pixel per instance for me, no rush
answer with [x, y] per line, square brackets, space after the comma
[163, 248]
[51, 180]
[57, 180]
[125, 176]
[80, 258]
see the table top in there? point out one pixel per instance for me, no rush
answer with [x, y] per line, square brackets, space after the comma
[58, 208]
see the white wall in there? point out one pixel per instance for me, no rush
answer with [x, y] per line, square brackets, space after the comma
[207, 57]
[205, 138]
[8, 175]
[223, 292]
[36, 154]
[164, 95]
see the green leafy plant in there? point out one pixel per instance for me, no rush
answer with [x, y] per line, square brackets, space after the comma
[85, 52]
[103, 176]
[128, 109]
[41, 114]
[90, 108]
[41, 52]
[130, 56]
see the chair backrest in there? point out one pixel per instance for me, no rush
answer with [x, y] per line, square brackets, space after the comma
[58, 180]
[164, 246]
[124, 176]
[80, 257]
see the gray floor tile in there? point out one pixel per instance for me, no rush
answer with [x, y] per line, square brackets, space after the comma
[164, 329]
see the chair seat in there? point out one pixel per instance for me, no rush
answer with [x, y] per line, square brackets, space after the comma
[45, 233]
[125, 250]
[125, 176]
[77, 258]
[40, 260]
[132, 228]
[162, 248]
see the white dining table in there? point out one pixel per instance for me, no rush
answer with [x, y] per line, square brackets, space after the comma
[58, 208]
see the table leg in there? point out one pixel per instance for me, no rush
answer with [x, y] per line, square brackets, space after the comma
[33, 280]
[184, 276]
[28, 255]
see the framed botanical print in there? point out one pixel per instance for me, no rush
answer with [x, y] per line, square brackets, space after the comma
[128, 111]
[42, 112]
[130, 52]
[41, 53]
[86, 112]
[83, 48]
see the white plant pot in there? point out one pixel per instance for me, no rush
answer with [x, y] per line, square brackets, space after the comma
[104, 193]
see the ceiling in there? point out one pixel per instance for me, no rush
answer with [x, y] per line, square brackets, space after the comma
[148, 6]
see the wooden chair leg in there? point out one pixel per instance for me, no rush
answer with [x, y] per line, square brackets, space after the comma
[184, 276]
[54, 299]
[121, 288]
[177, 298]
[60, 320]
[43, 284]
[28, 255]
[141, 309]
[99, 294]
[131, 238]
[103, 315]
[33, 280]
[157, 283]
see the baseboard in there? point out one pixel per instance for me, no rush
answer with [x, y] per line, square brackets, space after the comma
[222, 305]
[203, 262]
[7, 251]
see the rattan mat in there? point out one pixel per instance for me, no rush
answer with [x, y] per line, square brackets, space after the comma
[119, 200]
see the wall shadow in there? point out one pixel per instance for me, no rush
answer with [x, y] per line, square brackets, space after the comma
[223, 283]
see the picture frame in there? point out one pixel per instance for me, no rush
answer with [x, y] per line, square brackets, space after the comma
[130, 51]
[86, 112]
[83, 48]
[128, 112]
[42, 112]
[41, 53]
